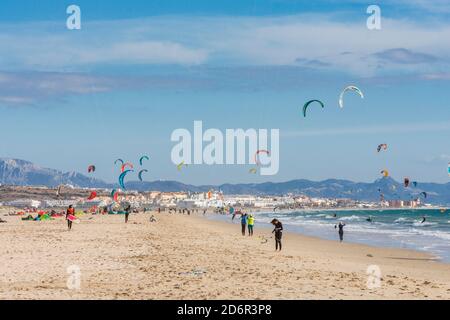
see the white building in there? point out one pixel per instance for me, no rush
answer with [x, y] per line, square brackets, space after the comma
[24, 203]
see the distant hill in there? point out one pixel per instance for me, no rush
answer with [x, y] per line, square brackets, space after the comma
[23, 173]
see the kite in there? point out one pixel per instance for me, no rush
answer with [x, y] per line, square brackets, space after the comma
[385, 173]
[122, 176]
[424, 194]
[349, 88]
[415, 184]
[258, 163]
[140, 174]
[93, 195]
[91, 168]
[119, 160]
[142, 159]
[253, 170]
[305, 107]
[448, 168]
[179, 166]
[406, 182]
[127, 165]
[383, 146]
[114, 194]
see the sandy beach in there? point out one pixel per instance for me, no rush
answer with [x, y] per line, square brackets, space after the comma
[190, 257]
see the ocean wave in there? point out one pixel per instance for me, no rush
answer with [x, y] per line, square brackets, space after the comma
[433, 233]
[351, 218]
[424, 224]
[399, 220]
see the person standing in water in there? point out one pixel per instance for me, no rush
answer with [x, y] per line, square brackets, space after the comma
[127, 212]
[278, 233]
[341, 230]
[250, 224]
[70, 215]
[244, 219]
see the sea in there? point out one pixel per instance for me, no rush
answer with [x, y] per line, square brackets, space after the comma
[396, 228]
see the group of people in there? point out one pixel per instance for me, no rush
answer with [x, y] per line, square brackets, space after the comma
[70, 215]
[248, 223]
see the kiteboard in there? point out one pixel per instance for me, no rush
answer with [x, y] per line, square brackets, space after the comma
[71, 218]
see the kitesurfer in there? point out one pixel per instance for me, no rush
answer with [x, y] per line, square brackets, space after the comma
[127, 212]
[341, 230]
[278, 230]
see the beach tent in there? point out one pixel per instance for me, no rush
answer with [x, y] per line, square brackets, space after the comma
[45, 217]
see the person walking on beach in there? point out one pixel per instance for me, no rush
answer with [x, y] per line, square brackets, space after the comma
[244, 219]
[250, 224]
[127, 212]
[278, 233]
[341, 230]
[70, 216]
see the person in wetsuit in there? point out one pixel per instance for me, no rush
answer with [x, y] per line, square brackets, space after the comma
[278, 233]
[127, 212]
[341, 230]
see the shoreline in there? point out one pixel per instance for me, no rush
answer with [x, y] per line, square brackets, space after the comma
[430, 256]
[254, 210]
[193, 257]
[387, 234]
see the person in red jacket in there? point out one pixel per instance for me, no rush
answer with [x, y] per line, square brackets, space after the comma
[70, 215]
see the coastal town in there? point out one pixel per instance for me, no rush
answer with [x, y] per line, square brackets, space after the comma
[216, 200]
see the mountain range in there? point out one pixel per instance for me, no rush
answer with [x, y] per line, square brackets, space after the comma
[24, 173]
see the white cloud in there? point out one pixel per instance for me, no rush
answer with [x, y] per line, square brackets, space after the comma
[283, 40]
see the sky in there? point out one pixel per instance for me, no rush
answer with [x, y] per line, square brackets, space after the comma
[138, 70]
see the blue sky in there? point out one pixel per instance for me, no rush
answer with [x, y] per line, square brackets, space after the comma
[138, 70]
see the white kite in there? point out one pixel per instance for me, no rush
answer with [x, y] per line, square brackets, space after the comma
[349, 88]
